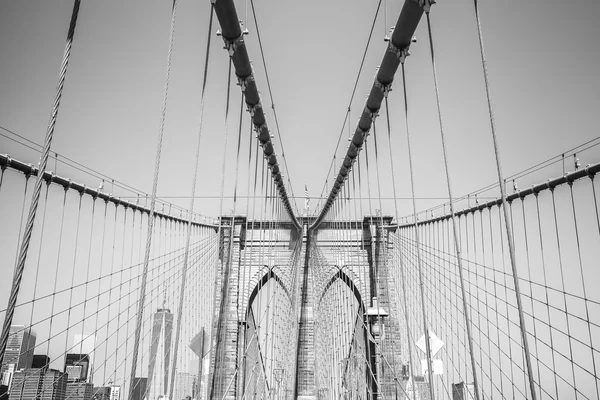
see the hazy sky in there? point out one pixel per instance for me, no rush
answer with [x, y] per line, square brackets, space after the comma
[543, 62]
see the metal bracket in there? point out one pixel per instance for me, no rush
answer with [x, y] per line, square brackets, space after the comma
[365, 134]
[232, 45]
[244, 82]
[259, 128]
[425, 4]
[372, 114]
[252, 109]
[401, 54]
[8, 161]
[384, 88]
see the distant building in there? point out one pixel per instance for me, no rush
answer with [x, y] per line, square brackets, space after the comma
[40, 361]
[19, 350]
[101, 393]
[160, 354]
[463, 391]
[3, 392]
[184, 386]
[77, 366]
[139, 388]
[35, 384]
[86, 344]
[115, 392]
[79, 391]
[7, 375]
[417, 389]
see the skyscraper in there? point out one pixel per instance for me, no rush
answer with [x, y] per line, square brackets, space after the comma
[85, 344]
[35, 384]
[77, 366]
[79, 391]
[139, 388]
[19, 352]
[101, 393]
[115, 392]
[40, 361]
[184, 386]
[160, 354]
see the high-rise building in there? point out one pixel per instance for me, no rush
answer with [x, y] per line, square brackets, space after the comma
[139, 388]
[463, 391]
[35, 384]
[77, 366]
[19, 349]
[40, 361]
[3, 392]
[7, 375]
[184, 386]
[85, 344]
[160, 354]
[79, 391]
[115, 392]
[101, 393]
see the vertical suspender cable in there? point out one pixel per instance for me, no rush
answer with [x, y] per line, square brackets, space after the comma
[142, 294]
[417, 241]
[387, 115]
[510, 238]
[453, 217]
[191, 209]
[216, 335]
[20, 267]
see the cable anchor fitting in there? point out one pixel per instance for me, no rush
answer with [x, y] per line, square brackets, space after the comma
[385, 89]
[365, 134]
[252, 109]
[425, 4]
[243, 82]
[372, 114]
[401, 54]
[232, 45]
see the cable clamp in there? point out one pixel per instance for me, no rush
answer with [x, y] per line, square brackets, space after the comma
[252, 109]
[8, 160]
[587, 171]
[365, 134]
[372, 114]
[243, 82]
[384, 88]
[258, 128]
[401, 54]
[232, 45]
[425, 4]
